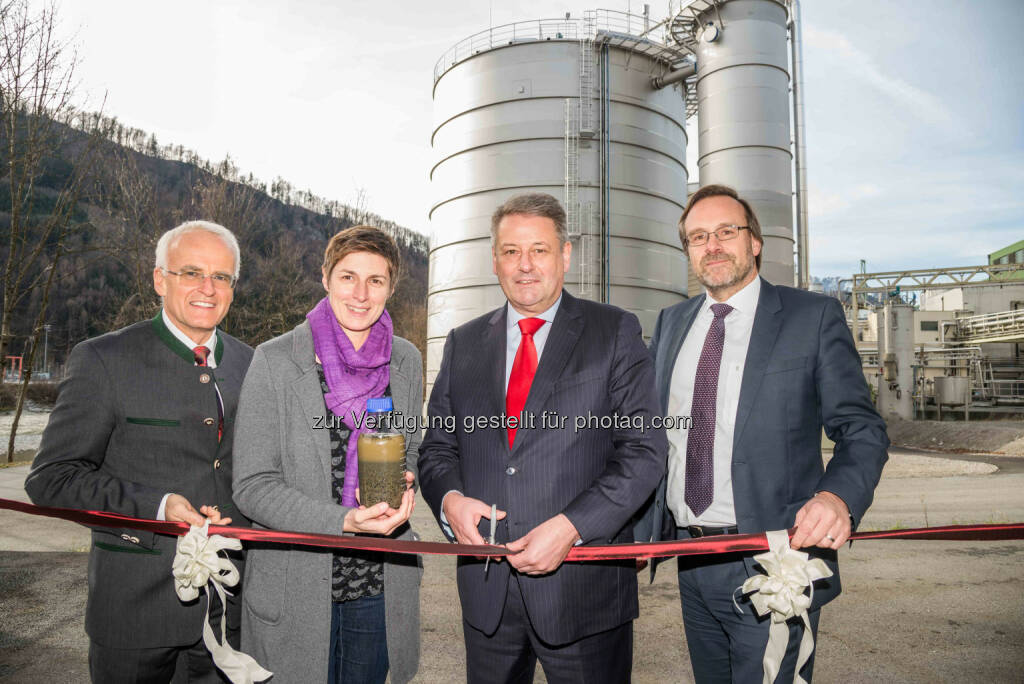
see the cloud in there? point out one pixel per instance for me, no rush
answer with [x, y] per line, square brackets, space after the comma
[911, 216]
[860, 65]
[821, 203]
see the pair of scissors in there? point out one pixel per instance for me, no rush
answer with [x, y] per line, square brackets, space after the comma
[490, 539]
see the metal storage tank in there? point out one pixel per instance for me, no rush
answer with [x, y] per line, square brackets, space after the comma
[743, 112]
[896, 352]
[564, 107]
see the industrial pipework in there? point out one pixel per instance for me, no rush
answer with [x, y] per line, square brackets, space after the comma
[799, 145]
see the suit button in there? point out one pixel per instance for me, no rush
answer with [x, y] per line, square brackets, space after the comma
[510, 470]
[216, 464]
[204, 378]
[208, 421]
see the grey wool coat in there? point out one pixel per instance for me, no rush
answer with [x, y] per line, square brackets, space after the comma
[282, 481]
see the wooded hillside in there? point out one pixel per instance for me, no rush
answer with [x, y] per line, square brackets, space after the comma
[136, 189]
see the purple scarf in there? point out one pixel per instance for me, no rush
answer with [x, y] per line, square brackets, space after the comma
[352, 378]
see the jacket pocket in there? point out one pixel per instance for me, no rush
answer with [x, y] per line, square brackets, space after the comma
[156, 422]
[783, 365]
[125, 541]
[266, 578]
[575, 380]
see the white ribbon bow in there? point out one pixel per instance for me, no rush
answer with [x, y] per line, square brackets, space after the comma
[781, 593]
[196, 564]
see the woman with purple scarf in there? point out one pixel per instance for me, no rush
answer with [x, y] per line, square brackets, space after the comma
[314, 615]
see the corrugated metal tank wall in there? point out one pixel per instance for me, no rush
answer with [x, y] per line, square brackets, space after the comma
[499, 130]
[743, 120]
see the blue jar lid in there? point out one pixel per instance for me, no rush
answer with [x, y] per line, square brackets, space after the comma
[379, 405]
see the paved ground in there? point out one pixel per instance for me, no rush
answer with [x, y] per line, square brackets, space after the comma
[910, 611]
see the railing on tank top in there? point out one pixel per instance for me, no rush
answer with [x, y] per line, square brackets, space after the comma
[536, 30]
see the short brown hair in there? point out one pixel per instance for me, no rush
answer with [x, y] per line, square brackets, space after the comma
[722, 191]
[531, 204]
[364, 239]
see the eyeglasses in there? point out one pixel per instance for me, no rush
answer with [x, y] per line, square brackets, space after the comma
[221, 281]
[700, 238]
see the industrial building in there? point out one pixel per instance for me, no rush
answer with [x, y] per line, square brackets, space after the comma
[959, 349]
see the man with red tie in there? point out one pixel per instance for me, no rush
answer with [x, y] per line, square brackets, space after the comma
[143, 427]
[544, 364]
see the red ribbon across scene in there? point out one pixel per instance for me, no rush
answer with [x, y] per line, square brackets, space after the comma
[686, 547]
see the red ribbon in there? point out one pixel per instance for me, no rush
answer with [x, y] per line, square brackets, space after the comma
[731, 543]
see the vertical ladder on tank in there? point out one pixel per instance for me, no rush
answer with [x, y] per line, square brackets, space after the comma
[587, 75]
[587, 130]
[572, 169]
[576, 222]
[588, 284]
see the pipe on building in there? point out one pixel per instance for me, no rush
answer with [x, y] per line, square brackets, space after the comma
[659, 82]
[605, 174]
[799, 143]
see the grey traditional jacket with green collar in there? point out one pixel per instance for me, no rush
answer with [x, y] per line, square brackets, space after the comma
[283, 481]
[134, 420]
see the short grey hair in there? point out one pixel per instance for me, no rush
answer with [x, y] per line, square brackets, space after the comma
[531, 204]
[163, 245]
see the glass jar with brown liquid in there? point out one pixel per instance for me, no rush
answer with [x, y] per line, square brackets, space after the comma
[381, 457]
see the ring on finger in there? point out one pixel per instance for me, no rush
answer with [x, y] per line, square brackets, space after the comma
[830, 538]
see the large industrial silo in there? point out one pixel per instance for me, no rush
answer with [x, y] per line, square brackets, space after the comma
[565, 107]
[743, 112]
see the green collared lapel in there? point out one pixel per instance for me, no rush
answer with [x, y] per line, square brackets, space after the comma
[176, 346]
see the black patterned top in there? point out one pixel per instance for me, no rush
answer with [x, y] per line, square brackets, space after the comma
[356, 573]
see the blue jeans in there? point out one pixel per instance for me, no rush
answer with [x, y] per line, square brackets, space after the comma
[359, 644]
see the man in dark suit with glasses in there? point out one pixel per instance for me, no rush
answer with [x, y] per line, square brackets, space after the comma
[759, 369]
[143, 427]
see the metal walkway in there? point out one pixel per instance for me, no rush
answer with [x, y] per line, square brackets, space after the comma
[929, 279]
[1004, 326]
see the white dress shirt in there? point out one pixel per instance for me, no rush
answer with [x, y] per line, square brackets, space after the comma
[211, 361]
[738, 325]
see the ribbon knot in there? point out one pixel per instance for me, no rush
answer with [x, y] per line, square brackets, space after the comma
[781, 593]
[196, 564]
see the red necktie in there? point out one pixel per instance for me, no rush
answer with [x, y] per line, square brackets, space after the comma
[523, 369]
[201, 353]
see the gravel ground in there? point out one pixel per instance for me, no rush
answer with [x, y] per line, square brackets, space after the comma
[979, 436]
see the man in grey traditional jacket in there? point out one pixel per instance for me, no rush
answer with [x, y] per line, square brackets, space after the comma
[143, 427]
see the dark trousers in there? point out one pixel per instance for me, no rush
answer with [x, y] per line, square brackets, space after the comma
[177, 664]
[359, 642]
[510, 654]
[726, 645]
[168, 664]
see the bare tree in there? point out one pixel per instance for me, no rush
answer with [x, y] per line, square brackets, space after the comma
[36, 86]
[135, 216]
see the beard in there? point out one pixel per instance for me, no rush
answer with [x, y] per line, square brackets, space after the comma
[735, 273]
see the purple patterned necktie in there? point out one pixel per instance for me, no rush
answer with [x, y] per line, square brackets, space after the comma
[700, 443]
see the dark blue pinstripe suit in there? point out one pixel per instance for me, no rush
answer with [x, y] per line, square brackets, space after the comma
[594, 362]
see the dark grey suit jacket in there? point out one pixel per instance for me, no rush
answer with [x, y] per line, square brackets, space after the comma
[594, 364]
[133, 422]
[802, 372]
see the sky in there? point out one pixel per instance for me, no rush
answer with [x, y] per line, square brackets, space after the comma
[914, 110]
